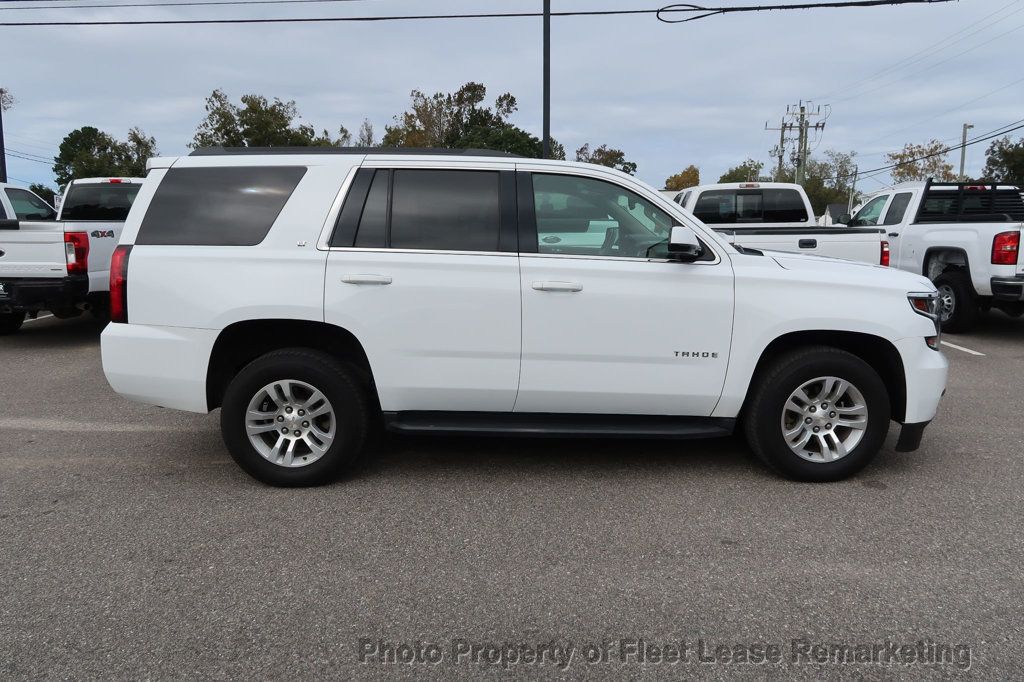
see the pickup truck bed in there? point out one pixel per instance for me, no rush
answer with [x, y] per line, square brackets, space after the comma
[778, 216]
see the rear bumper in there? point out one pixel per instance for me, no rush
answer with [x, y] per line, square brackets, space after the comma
[31, 293]
[163, 366]
[1008, 288]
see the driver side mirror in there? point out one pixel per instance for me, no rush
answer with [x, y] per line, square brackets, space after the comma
[683, 245]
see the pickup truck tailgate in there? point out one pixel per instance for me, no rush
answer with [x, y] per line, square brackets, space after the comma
[36, 249]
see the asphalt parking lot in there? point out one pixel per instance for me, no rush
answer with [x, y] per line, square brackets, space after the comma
[132, 546]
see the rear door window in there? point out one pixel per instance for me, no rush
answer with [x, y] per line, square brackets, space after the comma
[898, 208]
[446, 210]
[27, 206]
[99, 201]
[234, 206]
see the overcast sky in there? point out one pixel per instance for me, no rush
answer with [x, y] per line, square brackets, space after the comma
[669, 96]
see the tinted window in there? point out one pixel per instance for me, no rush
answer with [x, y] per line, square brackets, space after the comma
[751, 206]
[582, 216]
[897, 209]
[218, 206]
[373, 224]
[975, 203]
[448, 210]
[27, 206]
[98, 201]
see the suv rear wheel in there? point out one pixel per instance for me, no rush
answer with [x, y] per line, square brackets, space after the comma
[295, 417]
[818, 414]
[10, 322]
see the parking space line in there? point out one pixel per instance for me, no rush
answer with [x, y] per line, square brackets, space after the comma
[41, 317]
[966, 350]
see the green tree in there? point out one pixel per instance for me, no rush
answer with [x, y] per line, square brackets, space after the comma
[461, 120]
[90, 152]
[605, 156]
[920, 162]
[44, 192]
[1004, 161]
[688, 177]
[259, 122]
[829, 180]
[365, 136]
[748, 170]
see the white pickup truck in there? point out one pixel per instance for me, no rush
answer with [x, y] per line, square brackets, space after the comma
[965, 237]
[778, 216]
[60, 261]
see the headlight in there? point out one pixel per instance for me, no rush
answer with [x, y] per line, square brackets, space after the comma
[927, 304]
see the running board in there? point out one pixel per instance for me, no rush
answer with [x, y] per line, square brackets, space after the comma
[558, 425]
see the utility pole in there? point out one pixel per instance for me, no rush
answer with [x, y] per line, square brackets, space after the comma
[853, 190]
[546, 145]
[963, 152]
[780, 151]
[797, 118]
[3, 149]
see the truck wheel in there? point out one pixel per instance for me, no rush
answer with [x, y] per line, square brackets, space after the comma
[958, 306]
[817, 414]
[10, 322]
[295, 417]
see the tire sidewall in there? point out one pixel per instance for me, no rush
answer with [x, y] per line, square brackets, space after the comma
[768, 430]
[326, 376]
[965, 307]
[11, 322]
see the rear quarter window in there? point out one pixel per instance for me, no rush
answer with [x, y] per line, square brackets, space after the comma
[218, 206]
[99, 201]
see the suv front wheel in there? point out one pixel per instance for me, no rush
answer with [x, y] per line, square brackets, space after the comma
[295, 417]
[818, 414]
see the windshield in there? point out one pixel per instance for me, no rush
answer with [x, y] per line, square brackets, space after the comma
[99, 201]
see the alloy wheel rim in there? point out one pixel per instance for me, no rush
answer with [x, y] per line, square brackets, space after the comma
[290, 423]
[824, 419]
[947, 302]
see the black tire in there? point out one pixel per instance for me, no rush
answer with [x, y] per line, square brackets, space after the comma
[966, 310]
[762, 420]
[332, 378]
[10, 322]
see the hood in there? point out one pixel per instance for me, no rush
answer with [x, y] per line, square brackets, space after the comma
[844, 271]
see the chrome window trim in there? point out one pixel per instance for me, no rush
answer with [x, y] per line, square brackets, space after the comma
[510, 254]
[323, 242]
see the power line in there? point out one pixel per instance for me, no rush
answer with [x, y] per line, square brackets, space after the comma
[703, 12]
[936, 47]
[25, 158]
[942, 152]
[927, 68]
[24, 153]
[165, 4]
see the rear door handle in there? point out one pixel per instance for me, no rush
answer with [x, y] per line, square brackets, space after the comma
[808, 243]
[366, 279]
[558, 286]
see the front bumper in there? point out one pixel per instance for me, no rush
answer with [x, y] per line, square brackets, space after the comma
[1008, 288]
[925, 371]
[28, 294]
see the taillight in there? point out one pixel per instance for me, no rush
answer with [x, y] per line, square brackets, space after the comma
[119, 284]
[76, 249]
[1004, 248]
[883, 258]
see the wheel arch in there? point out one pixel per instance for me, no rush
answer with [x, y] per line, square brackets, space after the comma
[240, 343]
[878, 352]
[938, 259]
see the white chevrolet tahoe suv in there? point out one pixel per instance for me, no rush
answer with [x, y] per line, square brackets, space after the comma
[311, 294]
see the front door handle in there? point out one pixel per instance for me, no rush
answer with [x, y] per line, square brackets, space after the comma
[558, 286]
[808, 243]
[894, 234]
[366, 279]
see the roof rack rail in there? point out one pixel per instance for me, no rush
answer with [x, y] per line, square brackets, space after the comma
[424, 151]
